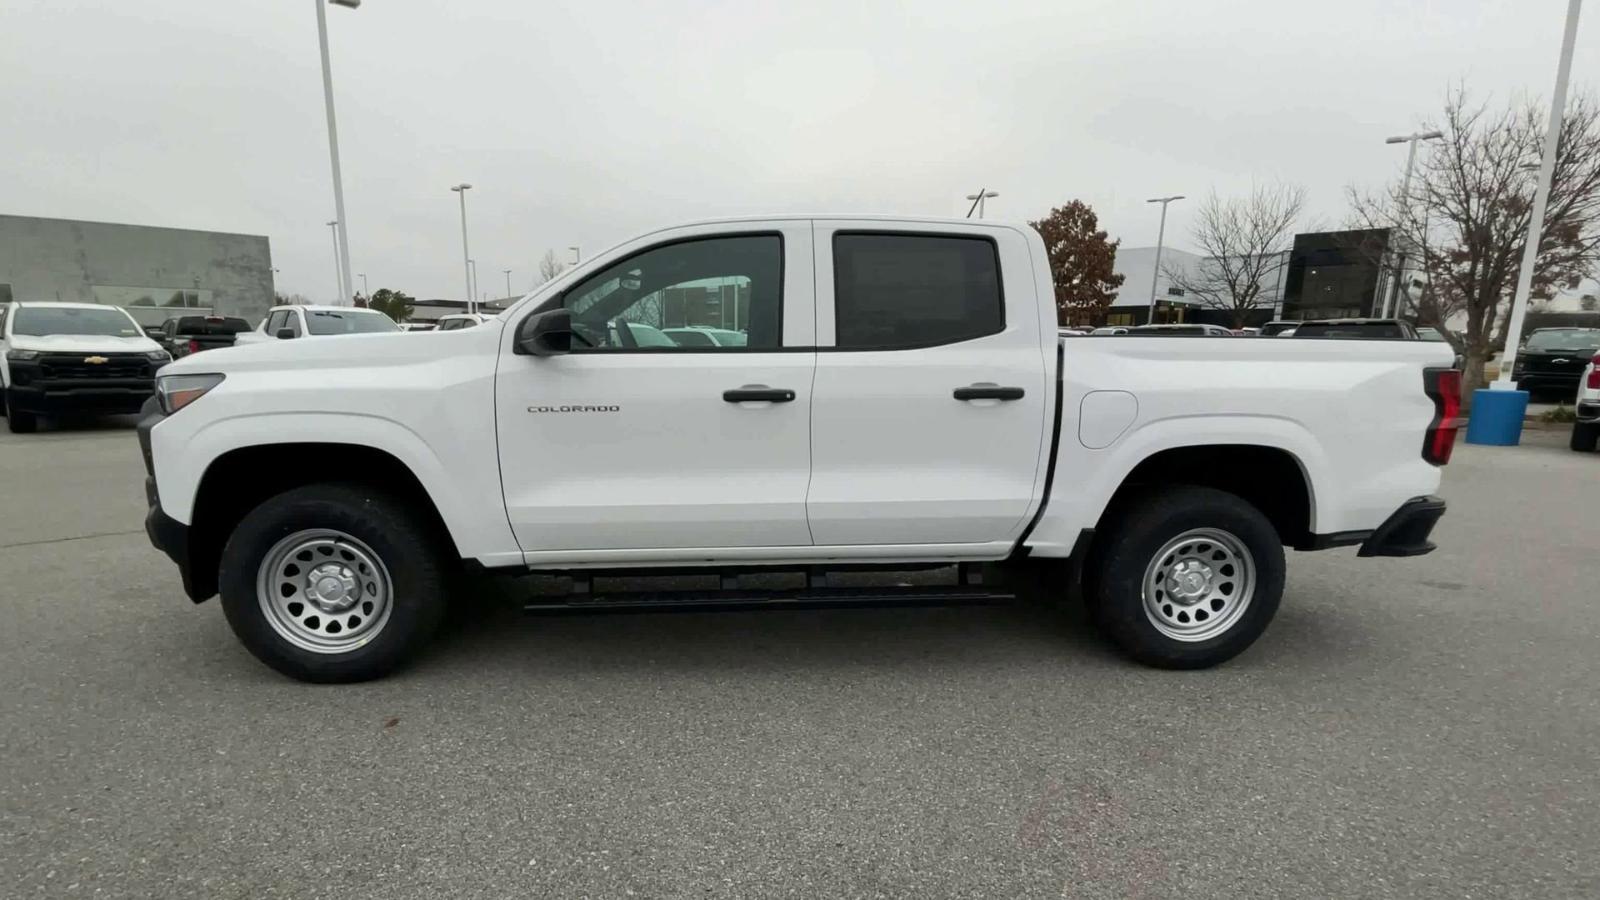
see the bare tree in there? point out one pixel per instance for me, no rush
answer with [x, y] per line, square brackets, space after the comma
[1245, 242]
[1466, 215]
[550, 266]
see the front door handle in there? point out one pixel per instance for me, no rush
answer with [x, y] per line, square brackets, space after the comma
[988, 392]
[756, 393]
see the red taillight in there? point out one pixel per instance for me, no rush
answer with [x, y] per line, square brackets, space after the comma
[194, 346]
[1594, 373]
[1444, 387]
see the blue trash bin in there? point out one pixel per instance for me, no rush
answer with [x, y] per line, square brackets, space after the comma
[1497, 417]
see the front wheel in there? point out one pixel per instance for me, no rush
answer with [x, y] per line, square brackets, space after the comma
[1585, 435]
[18, 421]
[1186, 578]
[332, 583]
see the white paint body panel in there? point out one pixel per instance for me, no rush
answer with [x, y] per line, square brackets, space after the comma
[895, 457]
[873, 461]
[1352, 413]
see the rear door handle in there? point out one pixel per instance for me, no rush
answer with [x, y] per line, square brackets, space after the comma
[988, 392]
[758, 392]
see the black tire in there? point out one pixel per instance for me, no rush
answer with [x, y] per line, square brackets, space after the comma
[1585, 436]
[1127, 546]
[19, 422]
[407, 549]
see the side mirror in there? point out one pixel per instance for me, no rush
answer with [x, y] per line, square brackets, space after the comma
[285, 334]
[545, 334]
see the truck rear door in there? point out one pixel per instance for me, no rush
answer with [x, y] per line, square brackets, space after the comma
[929, 421]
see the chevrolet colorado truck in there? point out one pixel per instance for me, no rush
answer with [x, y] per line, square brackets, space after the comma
[901, 400]
[73, 359]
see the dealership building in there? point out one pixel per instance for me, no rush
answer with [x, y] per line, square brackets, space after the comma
[1324, 274]
[154, 273]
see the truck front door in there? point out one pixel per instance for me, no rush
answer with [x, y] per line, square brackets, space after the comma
[636, 444]
[930, 422]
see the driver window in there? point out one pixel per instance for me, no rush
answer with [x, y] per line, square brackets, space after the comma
[704, 295]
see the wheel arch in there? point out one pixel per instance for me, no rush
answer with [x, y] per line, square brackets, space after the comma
[1270, 478]
[240, 479]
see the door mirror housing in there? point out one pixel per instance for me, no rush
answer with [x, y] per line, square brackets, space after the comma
[545, 334]
[285, 334]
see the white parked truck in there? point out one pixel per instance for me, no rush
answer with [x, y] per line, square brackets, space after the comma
[73, 359]
[901, 400]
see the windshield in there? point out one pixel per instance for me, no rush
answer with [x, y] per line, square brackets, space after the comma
[38, 321]
[1565, 339]
[348, 321]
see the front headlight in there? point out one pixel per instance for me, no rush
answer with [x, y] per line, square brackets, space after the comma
[158, 356]
[174, 392]
[20, 355]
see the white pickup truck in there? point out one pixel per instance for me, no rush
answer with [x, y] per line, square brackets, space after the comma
[901, 400]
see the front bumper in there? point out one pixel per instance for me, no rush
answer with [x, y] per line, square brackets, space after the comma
[166, 533]
[1548, 381]
[54, 398]
[1405, 533]
[67, 383]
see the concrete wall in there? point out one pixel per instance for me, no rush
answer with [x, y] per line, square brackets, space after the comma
[135, 266]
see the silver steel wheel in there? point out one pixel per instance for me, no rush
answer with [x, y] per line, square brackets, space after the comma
[1199, 584]
[324, 591]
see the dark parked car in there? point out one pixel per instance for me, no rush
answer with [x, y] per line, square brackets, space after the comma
[1359, 329]
[1553, 359]
[1272, 329]
[183, 335]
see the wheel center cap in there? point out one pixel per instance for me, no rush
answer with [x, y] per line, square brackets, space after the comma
[331, 587]
[1189, 580]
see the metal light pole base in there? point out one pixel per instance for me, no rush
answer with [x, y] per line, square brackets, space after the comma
[1497, 417]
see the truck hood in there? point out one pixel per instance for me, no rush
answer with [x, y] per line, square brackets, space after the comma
[83, 343]
[343, 351]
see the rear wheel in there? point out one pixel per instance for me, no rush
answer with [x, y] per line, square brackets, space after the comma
[332, 583]
[18, 421]
[1585, 435]
[1186, 578]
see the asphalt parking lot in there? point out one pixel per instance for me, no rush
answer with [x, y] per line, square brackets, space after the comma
[1407, 728]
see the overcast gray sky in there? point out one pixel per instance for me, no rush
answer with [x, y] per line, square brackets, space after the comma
[584, 122]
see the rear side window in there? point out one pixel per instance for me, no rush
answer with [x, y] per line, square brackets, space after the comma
[898, 291]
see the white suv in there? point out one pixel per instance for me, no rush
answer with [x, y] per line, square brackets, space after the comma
[1586, 431]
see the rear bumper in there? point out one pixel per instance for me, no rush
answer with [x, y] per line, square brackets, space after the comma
[1405, 533]
[1589, 411]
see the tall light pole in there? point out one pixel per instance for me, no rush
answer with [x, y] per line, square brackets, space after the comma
[978, 201]
[338, 275]
[1161, 237]
[466, 255]
[508, 281]
[365, 291]
[1391, 306]
[472, 285]
[342, 240]
[1541, 196]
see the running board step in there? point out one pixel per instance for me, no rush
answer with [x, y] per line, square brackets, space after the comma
[804, 598]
